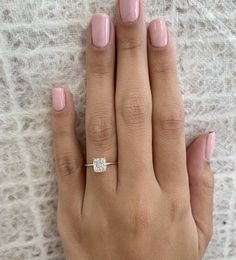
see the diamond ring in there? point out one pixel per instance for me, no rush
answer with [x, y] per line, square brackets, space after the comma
[99, 164]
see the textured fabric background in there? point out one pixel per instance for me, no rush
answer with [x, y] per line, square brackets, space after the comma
[42, 46]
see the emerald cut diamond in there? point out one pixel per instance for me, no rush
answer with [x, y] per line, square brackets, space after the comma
[99, 165]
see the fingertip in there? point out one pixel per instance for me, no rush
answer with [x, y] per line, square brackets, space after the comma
[63, 110]
[160, 36]
[129, 12]
[202, 148]
[100, 32]
[199, 154]
[158, 33]
[161, 50]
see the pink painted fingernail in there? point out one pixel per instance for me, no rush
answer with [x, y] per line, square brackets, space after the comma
[129, 10]
[100, 30]
[210, 145]
[158, 33]
[58, 99]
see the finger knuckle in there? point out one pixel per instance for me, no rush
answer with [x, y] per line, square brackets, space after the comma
[172, 119]
[67, 164]
[101, 129]
[162, 66]
[100, 65]
[62, 124]
[134, 110]
[61, 221]
[99, 70]
[209, 232]
[68, 226]
[208, 185]
[205, 228]
[179, 207]
[62, 131]
[130, 43]
[61, 226]
[140, 218]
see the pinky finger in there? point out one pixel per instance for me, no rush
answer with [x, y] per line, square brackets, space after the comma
[67, 153]
[201, 186]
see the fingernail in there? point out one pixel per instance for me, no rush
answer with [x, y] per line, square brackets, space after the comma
[158, 33]
[58, 99]
[129, 10]
[100, 30]
[210, 145]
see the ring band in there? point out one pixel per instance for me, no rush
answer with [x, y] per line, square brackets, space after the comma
[99, 164]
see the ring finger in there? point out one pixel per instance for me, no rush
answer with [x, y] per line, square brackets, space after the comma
[100, 115]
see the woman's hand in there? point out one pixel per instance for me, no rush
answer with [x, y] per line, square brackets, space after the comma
[157, 202]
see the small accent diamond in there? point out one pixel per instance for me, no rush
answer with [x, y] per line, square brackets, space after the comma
[99, 165]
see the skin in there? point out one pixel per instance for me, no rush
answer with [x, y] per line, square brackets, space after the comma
[157, 203]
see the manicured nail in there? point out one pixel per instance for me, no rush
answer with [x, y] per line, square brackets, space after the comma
[210, 145]
[58, 99]
[100, 30]
[158, 33]
[129, 10]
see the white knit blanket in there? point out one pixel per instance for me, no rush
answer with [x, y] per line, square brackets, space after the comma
[42, 46]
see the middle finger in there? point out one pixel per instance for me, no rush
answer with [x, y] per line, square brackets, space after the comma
[133, 94]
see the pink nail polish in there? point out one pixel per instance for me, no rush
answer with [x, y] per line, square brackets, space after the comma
[100, 30]
[129, 10]
[158, 33]
[210, 145]
[58, 99]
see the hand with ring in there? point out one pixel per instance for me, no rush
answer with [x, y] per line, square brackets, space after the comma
[139, 193]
